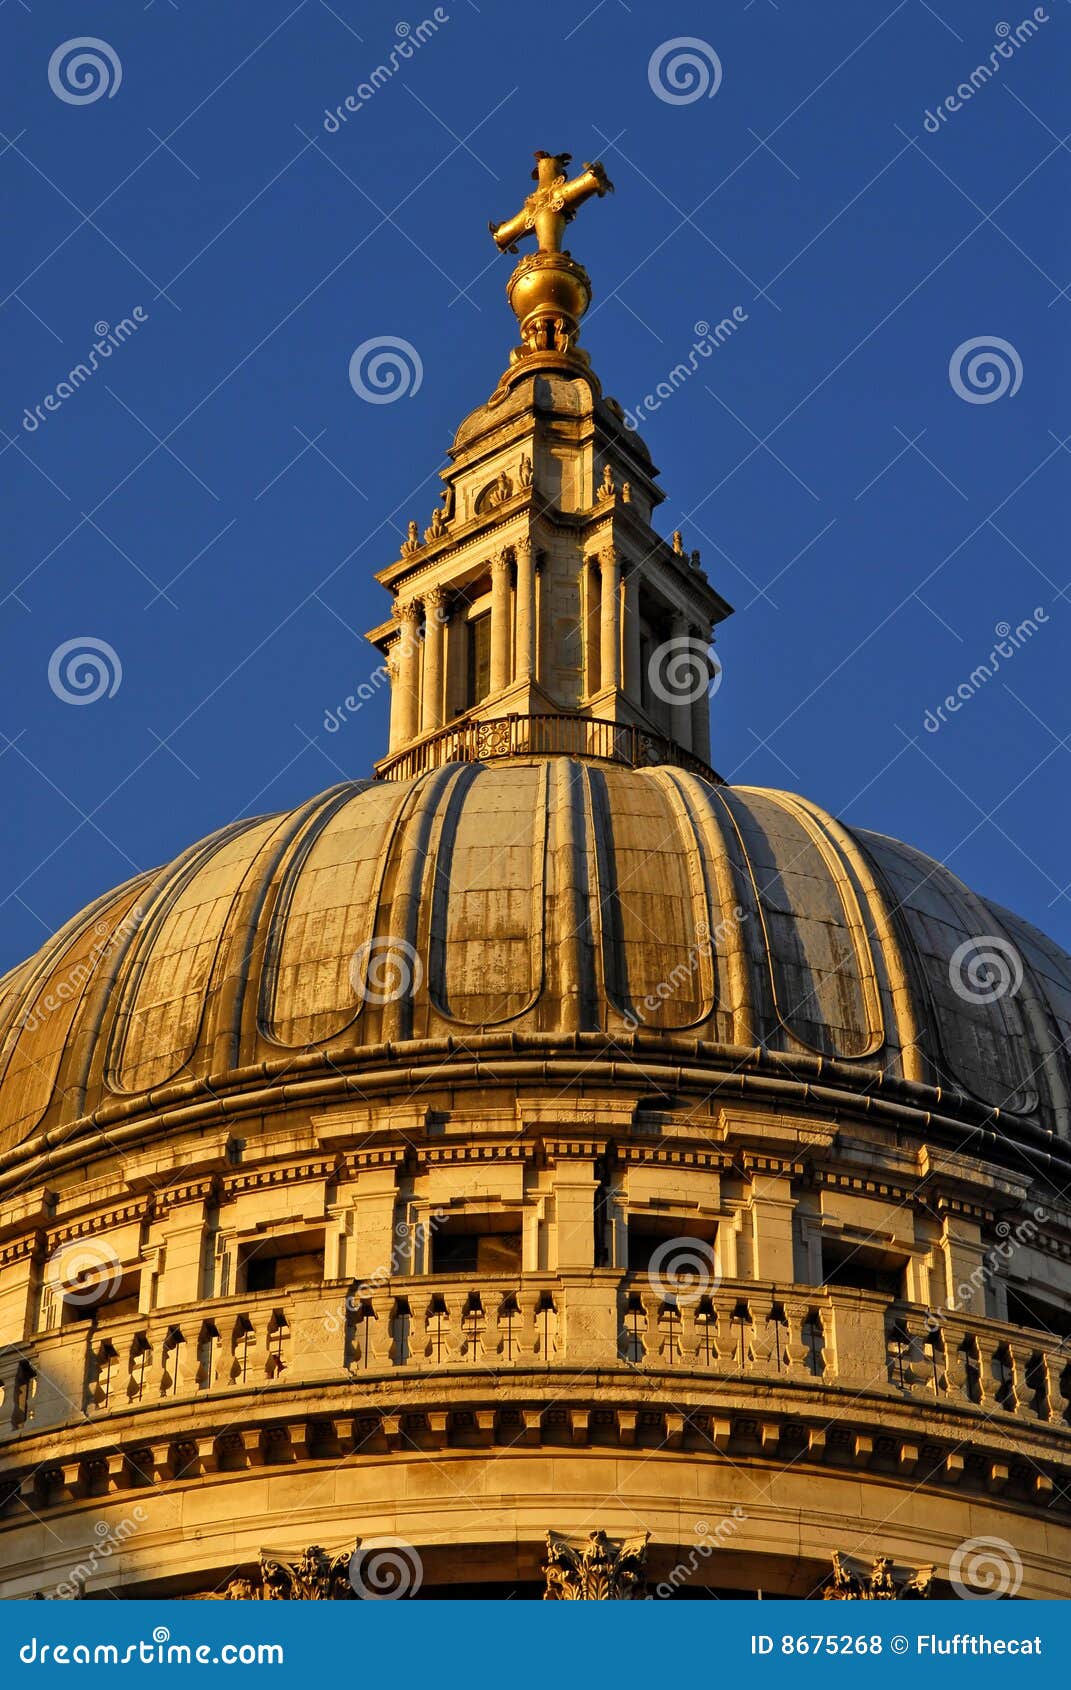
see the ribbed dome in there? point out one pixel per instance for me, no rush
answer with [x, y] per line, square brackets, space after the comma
[543, 896]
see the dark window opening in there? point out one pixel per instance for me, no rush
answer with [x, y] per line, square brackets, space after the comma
[274, 1264]
[95, 1294]
[862, 1269]
[1024, 1309]
[479, 659]
[477, 1244]
[679, 1250]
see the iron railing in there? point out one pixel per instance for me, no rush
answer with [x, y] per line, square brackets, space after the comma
[562, 734]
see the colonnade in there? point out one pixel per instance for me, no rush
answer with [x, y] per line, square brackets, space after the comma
[613, 660]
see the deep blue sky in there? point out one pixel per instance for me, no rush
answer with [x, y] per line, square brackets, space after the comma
[806, 191]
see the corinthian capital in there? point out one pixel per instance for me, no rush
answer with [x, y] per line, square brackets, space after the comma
[597, 1570]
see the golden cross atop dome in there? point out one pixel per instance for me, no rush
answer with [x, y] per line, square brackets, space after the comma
[549, 291]
[554, 203]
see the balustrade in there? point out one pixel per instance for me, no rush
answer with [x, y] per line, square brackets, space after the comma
[801, 1336]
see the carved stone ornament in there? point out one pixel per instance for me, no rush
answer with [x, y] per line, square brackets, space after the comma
[596, 1570]
[844, 1584]
[315, 1576]
[496, 493]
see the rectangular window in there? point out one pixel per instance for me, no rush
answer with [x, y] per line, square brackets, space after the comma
[95, 1295]
[479, 658]
[274, 1264]
[1024, 1309]
[477, 1244]
[679, 1250]
[862, 1269]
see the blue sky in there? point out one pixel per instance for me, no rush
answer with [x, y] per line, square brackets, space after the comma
[213, 502]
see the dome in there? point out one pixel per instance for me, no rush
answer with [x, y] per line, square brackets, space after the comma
[543, 1143]
[543, 900]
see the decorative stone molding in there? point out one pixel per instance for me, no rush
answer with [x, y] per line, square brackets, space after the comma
[881, 1584]
[596, 1571]
[314, 1576]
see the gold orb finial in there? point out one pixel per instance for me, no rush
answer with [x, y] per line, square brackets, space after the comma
[548, 291]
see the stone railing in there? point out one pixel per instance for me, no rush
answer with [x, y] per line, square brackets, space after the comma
[562, 734]
[802, 1337]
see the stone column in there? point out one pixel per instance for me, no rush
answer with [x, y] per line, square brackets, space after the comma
[701, 706]
[633, 659]
[393, 671]
[681, 710]
[500, 622]
[431, 714]
[610, 628]
[407, 690]
[542, 631]
[526, 611]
